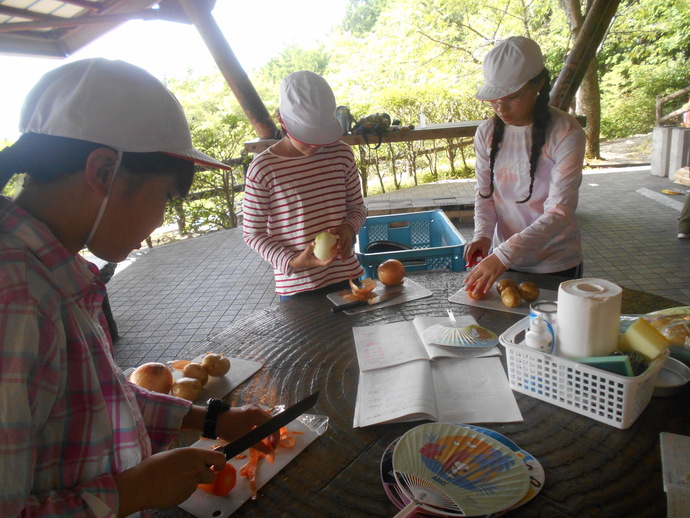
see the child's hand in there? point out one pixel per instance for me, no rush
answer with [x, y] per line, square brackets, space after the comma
[479, 247]
[306, 259]
[239, 420]
[484, 274]
[166, 479]
[346, 239]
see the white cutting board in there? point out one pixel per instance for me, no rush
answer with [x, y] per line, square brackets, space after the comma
[204, 505]
[493, 300]
[410, 291]
[221, 386]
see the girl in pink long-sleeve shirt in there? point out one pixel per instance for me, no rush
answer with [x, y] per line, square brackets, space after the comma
[529, 171]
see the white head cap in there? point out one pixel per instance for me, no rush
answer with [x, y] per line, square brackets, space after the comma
[307, 107]
[508, 67]
[112, 103]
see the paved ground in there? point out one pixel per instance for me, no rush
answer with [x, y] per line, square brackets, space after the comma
[169, 298]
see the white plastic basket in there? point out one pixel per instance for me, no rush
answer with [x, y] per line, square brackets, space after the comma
[607, 397]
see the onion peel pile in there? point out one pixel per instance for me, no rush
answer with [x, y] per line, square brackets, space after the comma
[363, 292]
[179, 365]
[248, 471]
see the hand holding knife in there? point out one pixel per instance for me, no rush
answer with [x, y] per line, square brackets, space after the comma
[272, 425]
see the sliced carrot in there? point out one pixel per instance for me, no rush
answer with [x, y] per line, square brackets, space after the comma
[224, 482]
[264, 449]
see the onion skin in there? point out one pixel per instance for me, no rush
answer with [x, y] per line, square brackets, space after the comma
[153, 376]
[391, 272]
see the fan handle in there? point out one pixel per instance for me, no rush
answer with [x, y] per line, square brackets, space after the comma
[408, 510]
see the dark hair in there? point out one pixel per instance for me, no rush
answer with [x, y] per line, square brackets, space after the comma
[46, 157]
[542, 116]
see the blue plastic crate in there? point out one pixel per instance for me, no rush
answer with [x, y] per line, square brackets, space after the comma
[433, 240]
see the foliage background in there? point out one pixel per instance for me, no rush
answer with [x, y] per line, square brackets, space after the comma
[407, 56]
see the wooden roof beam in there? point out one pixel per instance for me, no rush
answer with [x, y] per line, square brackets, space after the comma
[199, 13]
[54, 22]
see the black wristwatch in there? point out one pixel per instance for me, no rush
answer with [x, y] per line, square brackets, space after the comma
[215, 408]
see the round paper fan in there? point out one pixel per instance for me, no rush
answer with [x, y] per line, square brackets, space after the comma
[458, 471]
[400, 499]
[453, 335]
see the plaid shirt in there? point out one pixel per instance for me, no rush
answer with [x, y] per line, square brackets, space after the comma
[69, 418]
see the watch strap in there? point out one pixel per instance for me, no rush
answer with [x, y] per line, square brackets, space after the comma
[214, 409]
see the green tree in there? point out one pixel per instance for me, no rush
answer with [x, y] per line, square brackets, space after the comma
[291, 59]
[361, 15]
[647, 54]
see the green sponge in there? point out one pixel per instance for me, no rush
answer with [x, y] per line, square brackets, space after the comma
[618, 364]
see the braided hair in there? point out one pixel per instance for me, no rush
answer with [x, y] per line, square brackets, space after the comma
[542, 116]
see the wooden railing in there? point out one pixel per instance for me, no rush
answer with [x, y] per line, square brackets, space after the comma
[428, 132]
[661, 119]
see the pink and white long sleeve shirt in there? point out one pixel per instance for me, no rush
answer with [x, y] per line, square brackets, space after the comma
[541, 235]
[288, 201]
[70, 420]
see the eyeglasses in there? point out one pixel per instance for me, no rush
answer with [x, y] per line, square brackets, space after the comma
[516, 98]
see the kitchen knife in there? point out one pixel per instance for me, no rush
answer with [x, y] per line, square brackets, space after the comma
[369, 302]
[272, 425]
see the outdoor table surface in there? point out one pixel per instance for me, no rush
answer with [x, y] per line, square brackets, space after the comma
[592, 468]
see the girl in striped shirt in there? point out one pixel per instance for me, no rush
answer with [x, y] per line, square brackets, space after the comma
[305, 184]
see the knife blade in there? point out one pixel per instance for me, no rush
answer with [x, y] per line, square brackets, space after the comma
[387, 295]
[272, 425]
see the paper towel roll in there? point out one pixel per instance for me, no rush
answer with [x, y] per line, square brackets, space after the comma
[588, 317]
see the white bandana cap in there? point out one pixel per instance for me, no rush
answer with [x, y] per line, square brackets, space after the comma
[509, 66]
[112, 103]
[307, 107]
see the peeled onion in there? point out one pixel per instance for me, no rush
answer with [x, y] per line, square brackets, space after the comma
[153, 376]
[391, 272]
[325, 246]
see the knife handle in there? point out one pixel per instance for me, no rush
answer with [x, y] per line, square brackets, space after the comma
[349, 305]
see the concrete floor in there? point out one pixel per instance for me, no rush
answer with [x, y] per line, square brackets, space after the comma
[169, 298]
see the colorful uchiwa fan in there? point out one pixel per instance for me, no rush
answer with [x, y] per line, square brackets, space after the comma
[453, 335]
[457, 471]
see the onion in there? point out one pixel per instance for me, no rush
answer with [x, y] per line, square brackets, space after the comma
[216, 364]
[153, 376]
[187, 388]
[196, 370]
[391, 272]
[325, 246]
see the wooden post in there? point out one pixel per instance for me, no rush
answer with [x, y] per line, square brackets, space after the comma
[584, 49]
[199, 13]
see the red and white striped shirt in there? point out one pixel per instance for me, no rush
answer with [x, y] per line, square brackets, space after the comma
[288, 201]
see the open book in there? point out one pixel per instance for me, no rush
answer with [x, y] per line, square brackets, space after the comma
[404, 378]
